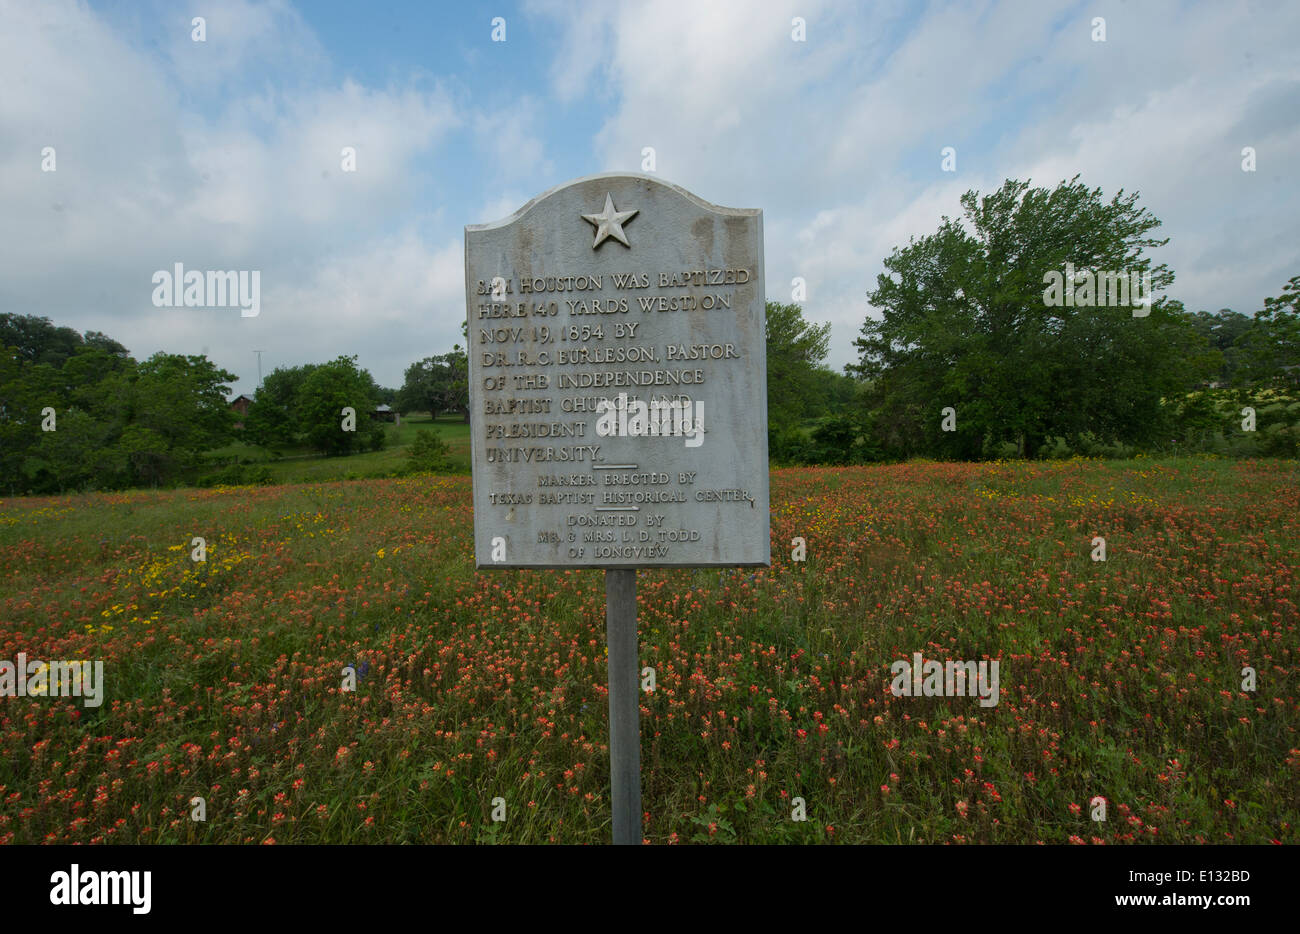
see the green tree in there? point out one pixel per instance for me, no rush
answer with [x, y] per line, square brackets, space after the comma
[795, 348]
[37, 339]
[178, 410]
[116, 422]
[81, 453]
[105, 343]
[20, 408]
[833, 393]
[84, 391]
[965, 323]
[428, 453]
[1223, 331]
[326, 391]
[1271, 346]
[416, 393]
[437, 385]
[272, 420]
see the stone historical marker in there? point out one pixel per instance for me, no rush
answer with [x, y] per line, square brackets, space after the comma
[618, 401]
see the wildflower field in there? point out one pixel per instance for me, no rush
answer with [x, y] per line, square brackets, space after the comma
[1119, 678]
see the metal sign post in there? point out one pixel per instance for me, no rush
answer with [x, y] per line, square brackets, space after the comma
[624, 705]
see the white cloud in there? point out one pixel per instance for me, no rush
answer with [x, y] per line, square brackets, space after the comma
[838, 139]
[392, 302]
[143, 181]
[500, 208]
[512, 136]
[240, 37]
[227, 154]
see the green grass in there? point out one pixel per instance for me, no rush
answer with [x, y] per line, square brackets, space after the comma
[299, 464]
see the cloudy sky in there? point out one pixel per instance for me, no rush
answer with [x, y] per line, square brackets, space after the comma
[227, 153]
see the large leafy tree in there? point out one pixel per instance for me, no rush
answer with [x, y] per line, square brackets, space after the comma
[19, 412]
[272, 419]
[437, 384]
[795, 350]
[1223, 331]
[417, 393]
[105, 343]
[178, 411]
[293, 406]
[324, 393]
[1271, 346]
[38, 340]
[965, 323]
[83, 452]
[115, 422]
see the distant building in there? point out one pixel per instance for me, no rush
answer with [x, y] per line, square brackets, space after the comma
[384, 413]
[239, 405]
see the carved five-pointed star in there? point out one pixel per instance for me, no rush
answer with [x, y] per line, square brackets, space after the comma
[609, 223]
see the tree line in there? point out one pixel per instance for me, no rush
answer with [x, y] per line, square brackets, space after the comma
[76, 410]
[965, 356]
[968, 358]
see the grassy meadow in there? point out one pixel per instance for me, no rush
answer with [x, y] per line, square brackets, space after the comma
[1119, 679]
[300, 464]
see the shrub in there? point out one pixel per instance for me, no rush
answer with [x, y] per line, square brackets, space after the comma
[788, 446]
[428, 453]
[238, 475]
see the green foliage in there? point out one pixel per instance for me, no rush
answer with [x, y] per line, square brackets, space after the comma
[325, 392]
[37, 340]
[437, 385]
[788, 446]
[1223, 331]
[964, 324]
[428, 453]
[1211, 421]
[303, 405]
[272, 419]
[1271, 347]
[810, 408]
[115, 422]
[834, 441]
[178, 409]
[795, 348]
[81, 453]
[101, 341]
[18, 406]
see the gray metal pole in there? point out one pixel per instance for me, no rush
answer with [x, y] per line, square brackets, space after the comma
[624, 705]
